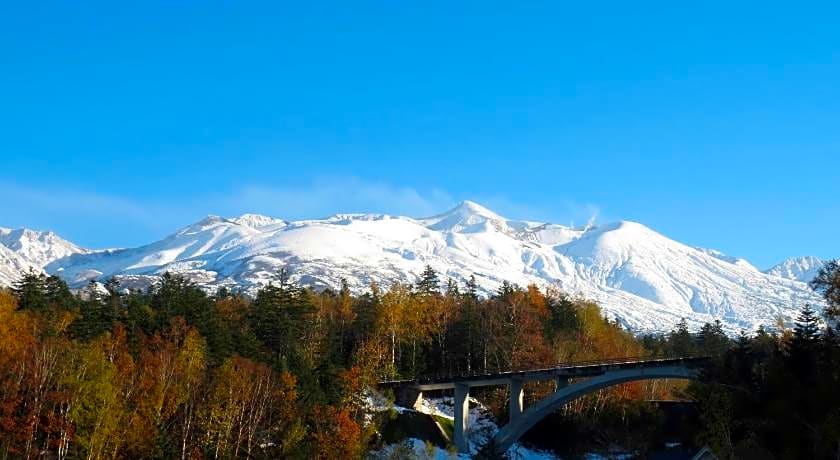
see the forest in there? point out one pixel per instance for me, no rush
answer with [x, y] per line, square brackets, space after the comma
[175, 372]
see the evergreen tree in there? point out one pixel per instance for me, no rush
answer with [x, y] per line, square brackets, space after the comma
[506, 290]
[452, 290]
[283, 319]
[49, 298]
[114, 299]
[429, 283]
[465, 337]
[472, 288]
[712, 340]
[366, 313]
[563, 316]
[96, 315]
[175, 295]
[39, 292]
[805, 346]
[680, 342]
[345, 313]
[806, 331]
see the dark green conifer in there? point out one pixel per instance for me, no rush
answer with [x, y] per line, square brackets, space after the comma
[680, 342]
[429, 283]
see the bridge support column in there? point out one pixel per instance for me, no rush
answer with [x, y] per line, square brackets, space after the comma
[462, 417]
[409, 397]
[560, 383]
[516, 399]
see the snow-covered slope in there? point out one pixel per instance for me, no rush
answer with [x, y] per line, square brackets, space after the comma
[22, 250]
[733, 260]
[798, 268]
[646, 280]
[12, 266]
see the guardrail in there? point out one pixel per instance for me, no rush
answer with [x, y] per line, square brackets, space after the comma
[569, 365]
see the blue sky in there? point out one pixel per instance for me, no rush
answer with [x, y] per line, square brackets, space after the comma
[717, 124]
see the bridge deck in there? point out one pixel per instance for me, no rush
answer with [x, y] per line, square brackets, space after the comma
[565, 370]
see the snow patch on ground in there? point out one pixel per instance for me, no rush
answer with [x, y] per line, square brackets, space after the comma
[482, 428]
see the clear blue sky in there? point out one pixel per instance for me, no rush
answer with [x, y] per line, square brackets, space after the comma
[717, 123]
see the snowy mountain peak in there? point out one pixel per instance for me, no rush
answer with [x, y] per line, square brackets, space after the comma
[203, 224]
[37, 248]
[22, 250]
[258, 220]
[467, 216]
[615, 243]
[467, 207]
[798, 268]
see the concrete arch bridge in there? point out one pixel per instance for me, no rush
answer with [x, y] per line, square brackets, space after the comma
[588, 377]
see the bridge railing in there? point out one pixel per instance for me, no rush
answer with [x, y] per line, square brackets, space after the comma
[582, 364]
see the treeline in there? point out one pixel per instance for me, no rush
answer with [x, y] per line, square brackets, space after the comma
[173, 372]
[774, 394]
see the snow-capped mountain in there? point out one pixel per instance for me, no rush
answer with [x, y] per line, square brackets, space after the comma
[22, 250]
[798, 268]
[37, 248]
[643, 278]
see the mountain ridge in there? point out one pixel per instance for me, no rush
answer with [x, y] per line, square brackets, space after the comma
[643, 278]
[802, 268]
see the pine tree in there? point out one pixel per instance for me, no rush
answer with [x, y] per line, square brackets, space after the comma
[49, 298]
[712, 340]
[366, 313]
[344, 307]
[805, 345]
[452, 290]
[283, 319]
[36, 291]
[806, 331]
[95, 315]
[429, 283]
[679, 340]
[466, 340]
[472, 288]
[506, 290]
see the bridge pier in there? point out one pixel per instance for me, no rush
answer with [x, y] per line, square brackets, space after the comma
[462, 417]
[517, 399]
[409, 397]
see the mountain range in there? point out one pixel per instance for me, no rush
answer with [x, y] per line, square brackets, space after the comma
[640, 277]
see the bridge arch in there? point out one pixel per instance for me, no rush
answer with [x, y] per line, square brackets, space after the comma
[511, 432]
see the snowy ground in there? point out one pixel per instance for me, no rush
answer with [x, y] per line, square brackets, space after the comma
[482, 427]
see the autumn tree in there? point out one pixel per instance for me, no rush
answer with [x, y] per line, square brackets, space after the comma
[170, 374]
[334, 434]
[249, 405]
